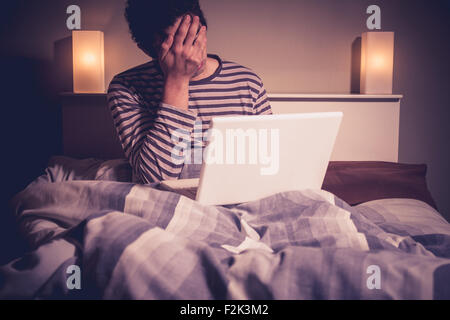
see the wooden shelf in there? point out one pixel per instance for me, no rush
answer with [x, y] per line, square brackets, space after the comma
[72, 94]
[335, 97]
[293, 96]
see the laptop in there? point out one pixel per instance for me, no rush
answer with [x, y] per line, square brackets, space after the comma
[251, 157]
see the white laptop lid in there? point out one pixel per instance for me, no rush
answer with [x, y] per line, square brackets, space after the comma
[251, 157]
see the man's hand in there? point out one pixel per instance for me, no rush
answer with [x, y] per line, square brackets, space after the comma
[182, 53]
[180, 57]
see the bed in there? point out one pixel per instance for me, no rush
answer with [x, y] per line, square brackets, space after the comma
[372, 232]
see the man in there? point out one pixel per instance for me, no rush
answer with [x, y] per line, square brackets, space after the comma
[173, 97]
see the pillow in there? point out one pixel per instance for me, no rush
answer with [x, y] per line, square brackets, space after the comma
[405, 217]
[356, 182]
[61, 168]
[410, 218]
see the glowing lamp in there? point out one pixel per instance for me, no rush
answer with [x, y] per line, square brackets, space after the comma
[377, 62]
[88, 62]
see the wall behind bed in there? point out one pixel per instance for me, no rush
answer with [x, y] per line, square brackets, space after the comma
[295, 46]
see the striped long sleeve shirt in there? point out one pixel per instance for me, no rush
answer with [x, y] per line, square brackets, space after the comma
[146, 127]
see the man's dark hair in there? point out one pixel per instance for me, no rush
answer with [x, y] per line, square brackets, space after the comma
[148, 19]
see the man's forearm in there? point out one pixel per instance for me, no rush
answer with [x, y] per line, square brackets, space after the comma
[176, 93]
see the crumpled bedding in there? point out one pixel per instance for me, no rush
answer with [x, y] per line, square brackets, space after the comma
[133, 241]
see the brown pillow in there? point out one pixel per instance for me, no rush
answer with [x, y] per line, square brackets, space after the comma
[361, 181]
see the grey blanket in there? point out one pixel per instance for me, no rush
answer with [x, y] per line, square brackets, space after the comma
[99, 239]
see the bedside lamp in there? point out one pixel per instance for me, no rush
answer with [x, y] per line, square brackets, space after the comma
[377, 62]
[88, 62]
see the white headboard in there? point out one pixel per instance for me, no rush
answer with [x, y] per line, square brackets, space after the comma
[369, 129]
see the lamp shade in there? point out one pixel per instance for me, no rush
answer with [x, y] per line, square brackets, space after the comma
[88, 62]
[377, 62]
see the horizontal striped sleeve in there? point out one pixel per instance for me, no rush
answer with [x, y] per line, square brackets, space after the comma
[262, 104]
[153, 140]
